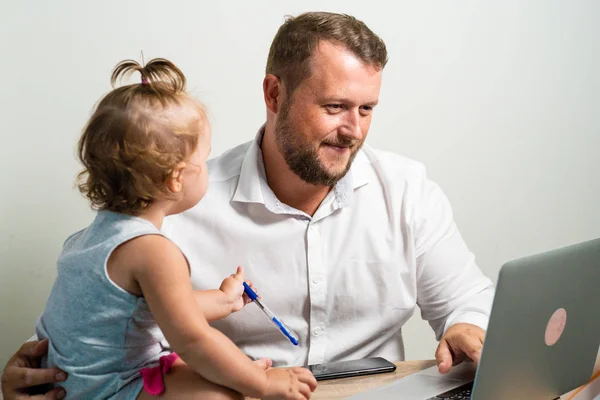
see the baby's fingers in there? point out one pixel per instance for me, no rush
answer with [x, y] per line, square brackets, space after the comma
[239, 274]
[254, 289]
[304, 375]
[248, 300]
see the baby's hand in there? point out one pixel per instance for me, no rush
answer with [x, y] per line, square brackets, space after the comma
[290, 384]
[233, 287]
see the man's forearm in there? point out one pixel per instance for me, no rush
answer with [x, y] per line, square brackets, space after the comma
[213, 304]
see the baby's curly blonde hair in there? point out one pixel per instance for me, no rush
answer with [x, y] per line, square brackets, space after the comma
[136, 136]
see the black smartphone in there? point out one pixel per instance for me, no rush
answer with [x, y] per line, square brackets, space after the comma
[346, 369]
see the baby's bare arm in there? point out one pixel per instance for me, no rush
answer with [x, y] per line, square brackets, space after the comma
[213, 303]
[163, 277]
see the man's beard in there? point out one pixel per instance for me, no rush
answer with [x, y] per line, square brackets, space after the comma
[303, 158]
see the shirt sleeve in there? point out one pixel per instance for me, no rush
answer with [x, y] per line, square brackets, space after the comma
[451, 288]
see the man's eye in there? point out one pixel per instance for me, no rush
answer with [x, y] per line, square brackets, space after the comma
[334, 106]
[365, 110]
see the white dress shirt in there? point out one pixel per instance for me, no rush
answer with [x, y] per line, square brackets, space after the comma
[346, 279]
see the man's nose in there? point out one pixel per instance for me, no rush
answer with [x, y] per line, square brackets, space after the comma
[352, 126]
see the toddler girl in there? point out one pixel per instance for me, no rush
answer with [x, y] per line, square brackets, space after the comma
[121, 285]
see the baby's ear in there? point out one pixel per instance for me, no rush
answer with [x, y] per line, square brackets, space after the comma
[175, 178]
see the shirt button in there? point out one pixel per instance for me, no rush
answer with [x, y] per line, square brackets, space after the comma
[316, 281]
[317, 331]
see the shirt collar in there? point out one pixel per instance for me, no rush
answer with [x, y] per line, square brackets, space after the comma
[252, 185]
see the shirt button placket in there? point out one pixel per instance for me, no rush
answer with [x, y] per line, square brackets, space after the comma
[317, 295]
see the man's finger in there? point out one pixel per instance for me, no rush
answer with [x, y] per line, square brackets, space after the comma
[470, 345]
[443, 357]
[54, 394]
[38, 349]
[21, 378]
[27, 351]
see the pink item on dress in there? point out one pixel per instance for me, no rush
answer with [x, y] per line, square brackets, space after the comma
[153, 377]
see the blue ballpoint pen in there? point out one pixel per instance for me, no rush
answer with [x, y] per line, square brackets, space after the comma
[287, 332]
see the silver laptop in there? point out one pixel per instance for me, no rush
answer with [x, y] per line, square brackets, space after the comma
[542, 338]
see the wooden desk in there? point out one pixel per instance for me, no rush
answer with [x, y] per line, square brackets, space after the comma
[343, 388]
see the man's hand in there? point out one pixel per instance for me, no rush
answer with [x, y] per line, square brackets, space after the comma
[461, 342]
[22, 374]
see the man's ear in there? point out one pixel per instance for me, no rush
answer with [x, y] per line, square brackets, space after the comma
[175, 179]
[273, 92]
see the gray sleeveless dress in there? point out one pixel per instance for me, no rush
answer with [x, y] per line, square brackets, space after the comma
[100, 334]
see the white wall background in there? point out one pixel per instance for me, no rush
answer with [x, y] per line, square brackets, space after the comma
[499, 99]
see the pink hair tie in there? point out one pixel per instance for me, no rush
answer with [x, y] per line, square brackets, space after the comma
[144, 81]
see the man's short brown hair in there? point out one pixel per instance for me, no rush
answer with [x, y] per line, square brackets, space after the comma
[298, 37]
